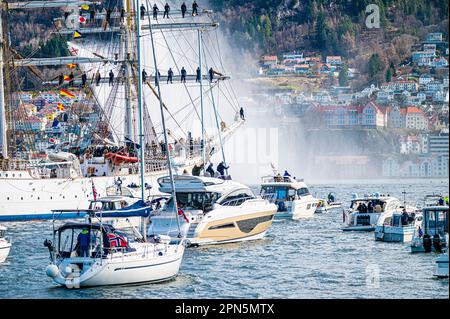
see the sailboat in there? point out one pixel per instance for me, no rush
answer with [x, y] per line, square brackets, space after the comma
[101, 255]
[31, 185]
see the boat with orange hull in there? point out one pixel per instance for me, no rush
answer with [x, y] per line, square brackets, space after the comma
[120, 158]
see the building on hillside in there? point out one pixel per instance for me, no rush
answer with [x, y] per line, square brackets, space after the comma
[385, 96]
[424, 79]
[340, 116]
[396, 117]
[416, 119]
[434, 37]
[268, 61]
[373, 116]
[334, 60]
[399, 87]
[438, 144]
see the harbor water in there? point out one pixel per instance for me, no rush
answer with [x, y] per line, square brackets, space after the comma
[310, 258]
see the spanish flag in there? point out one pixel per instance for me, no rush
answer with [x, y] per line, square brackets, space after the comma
[66, 78]
[60, 106]
[66, 93]
[85, 6]
[77, 34]
[71, 66]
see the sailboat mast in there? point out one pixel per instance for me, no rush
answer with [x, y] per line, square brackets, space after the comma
[129, 133]
[163, 121]
[203, 146]
[3, 127]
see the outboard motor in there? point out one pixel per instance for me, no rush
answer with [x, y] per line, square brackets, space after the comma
[427, 243]
[48, 243]
[437, 243]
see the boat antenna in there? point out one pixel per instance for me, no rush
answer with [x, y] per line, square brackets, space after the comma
[161, 107]
[404, 199]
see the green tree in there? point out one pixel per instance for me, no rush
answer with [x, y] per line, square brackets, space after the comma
[375, 66]
[388, 75]
[343, 76]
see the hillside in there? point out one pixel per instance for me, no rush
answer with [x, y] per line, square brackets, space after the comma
[333, 27]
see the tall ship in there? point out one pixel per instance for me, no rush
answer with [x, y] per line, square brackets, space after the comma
[94, 137]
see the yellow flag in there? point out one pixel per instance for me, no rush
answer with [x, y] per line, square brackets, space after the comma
[77, 34]
[85, 6]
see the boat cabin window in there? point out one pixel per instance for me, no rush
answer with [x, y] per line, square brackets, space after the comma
[303, 191]
[236, 198]
[282, 193]
[436, 220]
[2, 233]
[196, 201]
[70, 239]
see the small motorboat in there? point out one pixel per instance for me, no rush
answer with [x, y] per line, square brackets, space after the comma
[120, 158]
[432, 236]
[324, 206]
[292, 197]
[398, 226]
[5, 244]
[364, 212]
[441, 268]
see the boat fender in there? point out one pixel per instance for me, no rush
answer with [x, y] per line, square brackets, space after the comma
[427, 243]
[52, 271]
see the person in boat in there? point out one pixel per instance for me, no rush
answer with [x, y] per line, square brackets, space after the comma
[330, 198]
[92, 15]
[211, 75]
[163, 148]
[183, 9]
[420, 232]
[169, 76]
[360, 208]
[198, 77]
[166, 11]
[183, 75]
[221, 169]
[404, 218]
[83, 79]
[210, 170]
[370, 207]
[286, 175]
[98, 78]
[144, 76]
[61, 79]
[185, 172]
[194, 8]
[278, 178]
[197, 169]
[83, 243]
[142, 11]
[71, 77]
[155, 12]
[241, 113]
[111, 78]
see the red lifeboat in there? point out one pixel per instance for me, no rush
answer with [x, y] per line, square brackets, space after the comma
[120, 158]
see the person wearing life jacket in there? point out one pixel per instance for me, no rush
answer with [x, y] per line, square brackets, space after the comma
[83, 242]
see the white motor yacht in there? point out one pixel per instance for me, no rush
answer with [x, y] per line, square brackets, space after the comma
[364, 212]
[109, 258]
[5, 244]
[292, 197]
[396, 226]
[214, 211]
[432, 235]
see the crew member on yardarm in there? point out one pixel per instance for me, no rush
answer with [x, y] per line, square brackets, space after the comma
[183, 75]
[166, 11]
[155, 12]
[194, 8]
[169, 76]
[143, 11]
[183, 9]
[111, 78]
[199, 75]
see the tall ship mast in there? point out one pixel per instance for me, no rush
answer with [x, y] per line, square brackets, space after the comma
[92, 131]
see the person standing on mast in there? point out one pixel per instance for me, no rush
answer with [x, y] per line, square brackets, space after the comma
[111, 78]
[194, 9]
[183, 9]
[198, 78]
[211, 74]
[166, 10]
[183, 75]
[169, 76]
[143, 11]
[155, 12]
[144, 76]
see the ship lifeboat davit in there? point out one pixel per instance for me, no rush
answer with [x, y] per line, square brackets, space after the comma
[120, 158]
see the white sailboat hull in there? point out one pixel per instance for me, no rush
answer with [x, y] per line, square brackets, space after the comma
[123, 270]
[4, 251]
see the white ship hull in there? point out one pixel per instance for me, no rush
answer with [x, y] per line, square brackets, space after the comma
[32, 199]
[5, 247]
